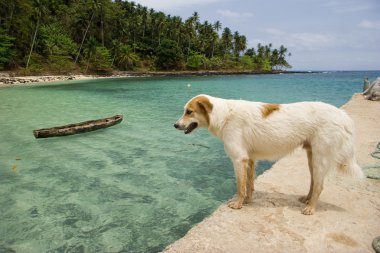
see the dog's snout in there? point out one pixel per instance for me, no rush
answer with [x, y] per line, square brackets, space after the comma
[176, 125]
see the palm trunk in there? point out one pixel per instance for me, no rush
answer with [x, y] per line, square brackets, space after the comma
[11, 17]
[188, 51]
[88, 63]
[84, 37]
[102, 24]
[113, 59]
[34, 39]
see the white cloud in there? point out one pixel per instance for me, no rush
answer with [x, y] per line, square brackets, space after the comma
[166, 5]
[311, 41]
[369, 24]
[348, 6]
[302, 40]
[234, 14]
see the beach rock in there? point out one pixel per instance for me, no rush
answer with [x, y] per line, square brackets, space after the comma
[373, 91]
[366, 84]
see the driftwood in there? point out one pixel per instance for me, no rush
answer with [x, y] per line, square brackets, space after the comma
[77, 128]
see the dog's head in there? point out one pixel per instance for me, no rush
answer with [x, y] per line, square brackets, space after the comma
[196, 114]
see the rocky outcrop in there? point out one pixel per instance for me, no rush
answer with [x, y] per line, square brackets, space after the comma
[373, 91]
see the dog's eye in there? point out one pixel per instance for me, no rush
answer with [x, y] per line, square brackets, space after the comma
[188, 112]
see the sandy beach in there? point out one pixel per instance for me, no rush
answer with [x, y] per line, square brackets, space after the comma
[8, 80]
[347, 218]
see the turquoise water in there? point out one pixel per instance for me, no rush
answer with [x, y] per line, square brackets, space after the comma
[134, 187]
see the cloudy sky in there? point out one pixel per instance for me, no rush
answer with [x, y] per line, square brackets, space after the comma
[320, 34]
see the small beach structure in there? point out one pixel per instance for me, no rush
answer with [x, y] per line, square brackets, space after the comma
[77, 128]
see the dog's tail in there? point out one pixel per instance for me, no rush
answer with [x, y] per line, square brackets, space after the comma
[352, 169]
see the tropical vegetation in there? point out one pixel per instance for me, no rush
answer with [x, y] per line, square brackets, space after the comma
[100, 36]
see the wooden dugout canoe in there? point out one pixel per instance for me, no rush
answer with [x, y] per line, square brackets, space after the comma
[77, 128]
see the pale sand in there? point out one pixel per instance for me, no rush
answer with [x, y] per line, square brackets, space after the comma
[346, 220]
[7, 81]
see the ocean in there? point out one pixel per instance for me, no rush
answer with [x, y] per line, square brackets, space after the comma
[137, 186]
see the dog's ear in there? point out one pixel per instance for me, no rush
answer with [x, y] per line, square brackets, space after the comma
[205, 104]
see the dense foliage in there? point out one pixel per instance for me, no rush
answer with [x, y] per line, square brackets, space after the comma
[62, 36]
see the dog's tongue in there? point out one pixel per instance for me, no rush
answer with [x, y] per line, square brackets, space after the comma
[191, 127]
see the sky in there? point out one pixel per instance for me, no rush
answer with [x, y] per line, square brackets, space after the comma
[319, 34]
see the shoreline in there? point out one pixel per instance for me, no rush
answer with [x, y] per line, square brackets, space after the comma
[8, 79]
[347, 217]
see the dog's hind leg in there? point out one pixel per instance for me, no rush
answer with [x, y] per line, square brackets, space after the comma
[318, 178]
[305, 199]
[251, 172]
[241, 172]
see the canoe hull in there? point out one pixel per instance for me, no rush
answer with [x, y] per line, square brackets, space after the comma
[82, 127]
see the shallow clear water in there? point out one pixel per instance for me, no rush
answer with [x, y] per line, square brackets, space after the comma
[134, 187]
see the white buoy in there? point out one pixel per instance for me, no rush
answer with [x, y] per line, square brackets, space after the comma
[188, 85]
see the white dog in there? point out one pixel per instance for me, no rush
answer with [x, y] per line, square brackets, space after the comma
[260, 131]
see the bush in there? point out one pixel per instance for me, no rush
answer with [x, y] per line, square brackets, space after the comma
[246, 62]
[215, 63]
[55, 40]
[169, 55]
[6, 51]
[101, 62]
[229, 61]
[196, 62]
[127, 59]
[61, 64]
[36, 64]
[265, 65]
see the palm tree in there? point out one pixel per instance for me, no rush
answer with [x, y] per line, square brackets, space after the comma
[160, 24]
[195, 18]
[191, 26]
[177, 22]
[215, 35]
[214, 39]
[116, 46]
[90, 50]
[227, 40]
[95, 4]
[145, 17]
[207, 38]
[39, 9]
[240, 43]
[281, 57]
[217, 26]
[127, 58]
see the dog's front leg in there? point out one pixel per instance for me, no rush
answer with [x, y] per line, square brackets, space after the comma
[251, 172]
[241, 169]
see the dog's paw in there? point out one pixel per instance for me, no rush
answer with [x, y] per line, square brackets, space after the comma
[308, 210]
[235, 204]
[303, 199]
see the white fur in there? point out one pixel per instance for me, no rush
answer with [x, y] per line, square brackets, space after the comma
[248, 135]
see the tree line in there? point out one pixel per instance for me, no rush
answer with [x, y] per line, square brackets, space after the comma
[98, 36]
